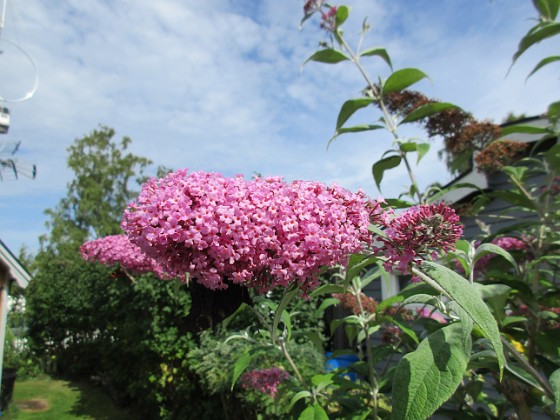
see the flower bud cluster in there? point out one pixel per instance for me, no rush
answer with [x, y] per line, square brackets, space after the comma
[117, 249]
[261, 233]
[417, 234]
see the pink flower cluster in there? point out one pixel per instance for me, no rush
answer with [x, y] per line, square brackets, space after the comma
[261, 233]
[265, 381]
[418, 233]
[506, 242]
[117, 249]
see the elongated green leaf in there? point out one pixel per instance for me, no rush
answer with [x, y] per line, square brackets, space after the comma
[555, 383]
[486, 249]
[422, 149]
[239, 367]
[515, 198]
[522, 128]
[398, 204]
[553, 112]
[328, 55]
[327, 289]
[401, 79]
[356, 264]
[359, 128]
[496, 295]
[548, 9]
[427, 377]
[279, 314]
[327, 303]
[427, 110]
[382, 165]
[538, 34]
[380, 52]
[349, 108]
[543, 63]
[354, 129]
[299, 396]
[466, 296]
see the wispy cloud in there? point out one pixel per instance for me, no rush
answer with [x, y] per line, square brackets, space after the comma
[217, 86]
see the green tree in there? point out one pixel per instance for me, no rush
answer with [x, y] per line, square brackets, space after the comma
[99, 191]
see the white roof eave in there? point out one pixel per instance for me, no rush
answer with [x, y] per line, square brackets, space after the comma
[15, 270]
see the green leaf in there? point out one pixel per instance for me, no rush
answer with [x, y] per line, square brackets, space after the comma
[496, 295]
[398, 204]
[299, 396]
[536, 35]
[522, 128]
[555, 384]
[401, 79]
[508, 320]
[349, 108]
[240, 365]
[422, 149]
[515, 198]
[543, 63]
[427, 377]
[553, 112]
[354, 129]
[328, 55]
[327, 289]
[314, 412]
[280, 312]
[466, 296]
[382, 165]
[426, 110]
[342, 13]
[380, 52]
[356, 264]
[488, 248]
[327, 303]
[548, 9]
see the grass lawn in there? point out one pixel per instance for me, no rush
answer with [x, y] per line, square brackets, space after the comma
[54, 399]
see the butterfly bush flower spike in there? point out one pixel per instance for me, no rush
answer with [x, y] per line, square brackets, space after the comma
[265, 381]
[117, 249]
[260, 233]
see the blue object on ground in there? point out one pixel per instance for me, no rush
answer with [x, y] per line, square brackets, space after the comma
[342, 361]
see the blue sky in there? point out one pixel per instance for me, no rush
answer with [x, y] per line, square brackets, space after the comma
[216, 85]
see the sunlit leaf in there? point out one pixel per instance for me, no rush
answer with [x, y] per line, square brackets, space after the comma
[543, 63]
[538, 34]
[466, 296]
[240, 365]
[349, 108]
[555, 383]
[380, 52]
[427, 110]
[428, 377]
[401, 79]
[382, 165]
[328, 55]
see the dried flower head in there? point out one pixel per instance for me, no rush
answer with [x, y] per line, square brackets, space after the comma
[350, 302]
[499, 154]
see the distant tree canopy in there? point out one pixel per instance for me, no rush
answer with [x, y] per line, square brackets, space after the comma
[99, 191]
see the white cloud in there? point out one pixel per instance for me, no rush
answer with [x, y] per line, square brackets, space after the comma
[217, 86]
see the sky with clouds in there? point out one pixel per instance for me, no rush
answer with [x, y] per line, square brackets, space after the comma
[218, 85]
